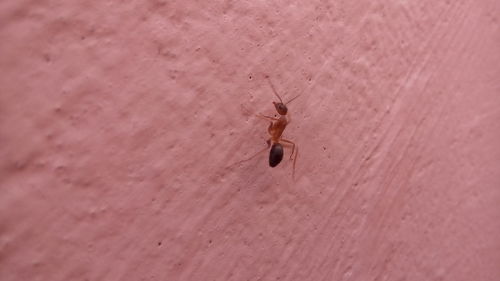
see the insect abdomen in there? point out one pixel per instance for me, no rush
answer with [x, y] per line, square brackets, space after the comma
[275, 155]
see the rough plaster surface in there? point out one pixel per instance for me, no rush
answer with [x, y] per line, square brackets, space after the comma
[119, 122]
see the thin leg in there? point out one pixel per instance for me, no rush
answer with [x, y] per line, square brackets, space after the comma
[295, 160]
[296, 154]
[253, 156]
[293, 146]
[265, 117]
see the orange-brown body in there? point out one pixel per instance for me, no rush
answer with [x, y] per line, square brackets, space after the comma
[276, 128]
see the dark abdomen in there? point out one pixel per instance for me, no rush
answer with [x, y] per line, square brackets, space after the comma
[275, 155]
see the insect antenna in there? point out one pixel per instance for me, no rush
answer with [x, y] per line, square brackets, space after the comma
[274, 89]
[293, 99]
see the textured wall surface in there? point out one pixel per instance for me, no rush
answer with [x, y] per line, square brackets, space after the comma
[121, 123]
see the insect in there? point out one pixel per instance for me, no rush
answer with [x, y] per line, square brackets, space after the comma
[276, 127]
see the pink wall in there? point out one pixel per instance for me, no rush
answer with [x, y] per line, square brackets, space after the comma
[119, 121]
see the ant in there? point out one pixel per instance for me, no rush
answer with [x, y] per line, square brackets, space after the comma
[275, 130]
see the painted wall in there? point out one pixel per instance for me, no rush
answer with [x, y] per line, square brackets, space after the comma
[123, 124]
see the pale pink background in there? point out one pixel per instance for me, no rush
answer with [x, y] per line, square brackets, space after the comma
[119, 122]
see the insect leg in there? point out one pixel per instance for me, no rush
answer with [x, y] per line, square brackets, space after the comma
[265, 117]
[293, 146]
[296, 150]
[253, 156]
